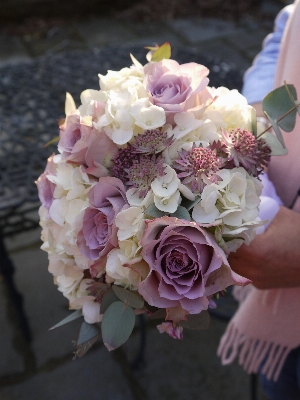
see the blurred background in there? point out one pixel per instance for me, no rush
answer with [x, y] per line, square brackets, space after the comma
[48, 47]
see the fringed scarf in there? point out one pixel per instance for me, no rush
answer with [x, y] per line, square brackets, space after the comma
[266, 326]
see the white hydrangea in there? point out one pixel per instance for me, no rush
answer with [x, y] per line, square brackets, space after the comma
[232, 108]
[234, 199]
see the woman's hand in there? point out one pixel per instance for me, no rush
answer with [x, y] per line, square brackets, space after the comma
[273, 258]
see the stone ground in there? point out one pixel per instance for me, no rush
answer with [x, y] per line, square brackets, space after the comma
[171, 369]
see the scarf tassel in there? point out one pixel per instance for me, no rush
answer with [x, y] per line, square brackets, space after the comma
[254, 354]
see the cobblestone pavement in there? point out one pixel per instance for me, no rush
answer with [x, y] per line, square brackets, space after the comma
[44, 369]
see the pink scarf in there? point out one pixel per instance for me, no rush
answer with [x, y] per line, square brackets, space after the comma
[266, 326]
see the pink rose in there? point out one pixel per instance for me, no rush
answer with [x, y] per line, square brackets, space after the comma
[186, 265]
[176, 88]
[99, 233]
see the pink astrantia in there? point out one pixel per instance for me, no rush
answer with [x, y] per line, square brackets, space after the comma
[245, 150]
[196, 164]
[99, 234]
[186, 265]
[176, 88]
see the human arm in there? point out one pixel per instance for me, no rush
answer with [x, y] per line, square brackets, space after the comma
[272, 260]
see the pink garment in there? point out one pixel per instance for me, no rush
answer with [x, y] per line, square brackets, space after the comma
[266, 326]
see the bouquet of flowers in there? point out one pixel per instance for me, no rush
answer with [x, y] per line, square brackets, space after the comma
[156, 181]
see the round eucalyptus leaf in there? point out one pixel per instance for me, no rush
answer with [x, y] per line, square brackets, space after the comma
[107, 300]
[132, 299]
[277, 103]
[87, 332]
[117, 325]
[181, 213]
[154, 212]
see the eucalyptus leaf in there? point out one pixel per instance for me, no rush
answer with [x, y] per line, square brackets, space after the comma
[109, 298]
[252, 118]
[154, 212]
[278, 103]
[274, 144]
[297, 104]
[117, 324]
[87, 332]
[76, 314]
[276, 130]
[181, 213]
[197, 322]
[128, 297]
[189, 204]
[294, 100]
[163, 51]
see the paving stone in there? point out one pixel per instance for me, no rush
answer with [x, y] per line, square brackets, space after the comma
[199, 29]
[11, 50]
[154, 33]
[190, 369]
[96, 376]
[244, 40]
[10, 360]
[103, 32]
[44, 305]
[60, 40]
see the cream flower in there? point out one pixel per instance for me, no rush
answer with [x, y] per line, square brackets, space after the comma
[129, 222]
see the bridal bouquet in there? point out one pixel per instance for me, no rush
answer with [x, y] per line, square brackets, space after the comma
[156, 181]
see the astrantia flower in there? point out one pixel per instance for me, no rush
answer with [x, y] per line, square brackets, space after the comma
[123, 160]
[245, 150]
[152, 142]
[197, 164]
[143, 172]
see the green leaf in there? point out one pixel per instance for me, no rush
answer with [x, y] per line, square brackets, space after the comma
[52, 141]
[189, 204]
[252, 118]
[117, 325]
[279, 102]
[87, 332]
[197, 322]
[76, 314]
[163, 51]
[159, 314]
[275, 145]
[294, 100]
[128, 297]
[276, 130]
[181, 213]
[154, 212]
[108, 299]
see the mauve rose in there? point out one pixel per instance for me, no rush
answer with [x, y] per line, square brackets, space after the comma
[95, 151]
[186, 265]
[45, 187]
[174, 87]
[99, 234]
[73, 129]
